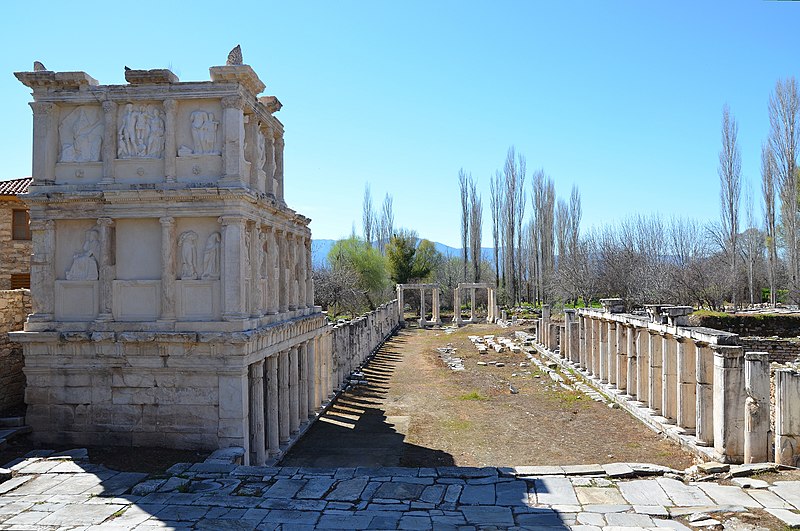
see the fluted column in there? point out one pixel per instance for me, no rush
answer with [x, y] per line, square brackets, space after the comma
[105, 268]
[109, 147]
[170, 141]
[294, 391]
[257, 428]
[233, 161]
[45, 142]
[233, 267]
[43, 272]
[273, 423]
[284, 415]
[168, 268]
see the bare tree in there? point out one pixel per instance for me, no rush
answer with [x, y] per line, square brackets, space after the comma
[496, 206]
[463, 183]
[368, 221]
[784, 106]
[768, 190]
[730, 181]
[544, 197]
[475, 230]
[752, 245]
[511, 176]
[386, 225]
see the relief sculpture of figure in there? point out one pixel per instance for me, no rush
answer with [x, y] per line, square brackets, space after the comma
[81, 135]
[204, 133]
[141, 132]
[211, 257]
[262, 254]
[261, 150]
[84, 262]
[188, 245]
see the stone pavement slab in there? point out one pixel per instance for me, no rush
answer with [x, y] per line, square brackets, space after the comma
[555, 491]
[644, 492]
[728, 495]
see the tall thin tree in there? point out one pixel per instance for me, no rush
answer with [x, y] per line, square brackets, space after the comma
[475, 229]
[768, 191]
[496, 206]
[463, 186]
[730, 182]
[368, 216]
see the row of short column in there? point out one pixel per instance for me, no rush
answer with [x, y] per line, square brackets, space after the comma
[717, 392]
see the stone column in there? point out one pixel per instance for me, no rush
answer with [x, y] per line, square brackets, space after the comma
[457, 307]
[301, 272]
[621, 358]
[654, 397]
[233, 268]
[273, 272]
[257, 429]
[704, 413]
[422, 321]
[594, 347]
[284, 416]
[279, 167]
[43, 273]
[269, 165]
[566, 349]
[545, 326]
[291, 272]
[234, 411]
[630, 351]
[302, 408]
[105, 268]
[581, 341]
[611, 367]
[602, 361]
[642, 365]
[45, 142]
[687, 384]
[400, 304]
[729, 403]
[756, 417]
[109, 147]
[169, 272]
[669, 377]
[294, 391]
[233, 161]
[282, 281]
[252, 128]
[435, 303]
[170, 141]
[273, 400]
[787, 416]
[312, 377]
[472, 305]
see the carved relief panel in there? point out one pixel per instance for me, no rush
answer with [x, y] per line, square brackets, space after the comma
[80, 135]
[141, 130]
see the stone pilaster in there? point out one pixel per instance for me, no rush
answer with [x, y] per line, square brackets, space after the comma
[233, 161]
[252, 129]
[787, 416]
[300, 247]
[291, 271]
[109, 149]
[233, 267]
[269, 165]
[654, 373]
[687, 384]
[621, 379]
[45, 142]
[631, 358]
[43, 273]
[642, 365]
[602, 365]
[704, 373]
[611, 368]
[255, 270]
[669, 377]
[273, 272]
[279, 168]
[105, 268]
[170, 141]
[729, 403]
[258, 449]
[756, 417]
[272, 402]
[283, 280]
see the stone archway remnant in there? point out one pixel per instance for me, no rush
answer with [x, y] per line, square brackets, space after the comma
[435, 291]
[491, 302]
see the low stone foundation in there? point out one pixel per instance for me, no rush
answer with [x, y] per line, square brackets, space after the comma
[14, 307]
[780, 350]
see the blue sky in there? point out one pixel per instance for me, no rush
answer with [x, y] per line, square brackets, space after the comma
[623, 99]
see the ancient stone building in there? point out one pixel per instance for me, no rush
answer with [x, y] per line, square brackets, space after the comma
[171, 284]
[15, 235]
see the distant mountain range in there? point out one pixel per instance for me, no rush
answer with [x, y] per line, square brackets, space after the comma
[321, 248]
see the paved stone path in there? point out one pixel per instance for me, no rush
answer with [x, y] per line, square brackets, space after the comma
[49, 492]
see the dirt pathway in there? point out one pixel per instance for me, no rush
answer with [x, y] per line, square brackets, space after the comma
[417, 412]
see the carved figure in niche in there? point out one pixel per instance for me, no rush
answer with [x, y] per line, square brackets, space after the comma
[84, 262]
[81, 135]
[247, 261]
[188, 245]
[141, 132]
[211, 257]
[261, 150]
[262, 264]
[204, 134]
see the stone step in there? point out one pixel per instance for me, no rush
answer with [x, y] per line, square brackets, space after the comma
[12, 422]
[9, 433]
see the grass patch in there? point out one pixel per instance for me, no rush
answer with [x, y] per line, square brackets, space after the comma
[473, 395]
[457, 424]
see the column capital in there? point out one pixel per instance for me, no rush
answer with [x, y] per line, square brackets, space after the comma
[42, 108]
[232, 102]
[232, 219]
[105, 222]
[167, 220]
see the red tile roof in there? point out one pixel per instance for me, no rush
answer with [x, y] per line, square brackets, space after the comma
[15, 186]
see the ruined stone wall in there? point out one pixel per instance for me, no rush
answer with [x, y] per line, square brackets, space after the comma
[780, 350]
[15, 255]
[14, 307]
[750, 325]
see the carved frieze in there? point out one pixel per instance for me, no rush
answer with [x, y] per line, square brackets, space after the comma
[211, 267]
[141, 132]
[84, 261]
[81, 135]
[188, 244]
